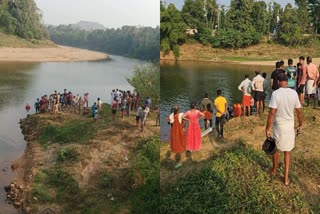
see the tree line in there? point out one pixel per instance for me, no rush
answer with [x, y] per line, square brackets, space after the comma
[21, 18]
[243, 23]
[130, 41]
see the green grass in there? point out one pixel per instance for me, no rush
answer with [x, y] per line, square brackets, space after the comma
[244, 59]
[67, 155]
[234, 182]
[146, 198]
[70, 132]
[59, 181]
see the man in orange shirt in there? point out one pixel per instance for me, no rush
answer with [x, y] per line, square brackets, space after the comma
[312, 75]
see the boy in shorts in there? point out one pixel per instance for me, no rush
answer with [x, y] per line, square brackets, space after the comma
[114, 107]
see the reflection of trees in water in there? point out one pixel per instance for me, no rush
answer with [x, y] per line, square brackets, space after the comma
[14, 80]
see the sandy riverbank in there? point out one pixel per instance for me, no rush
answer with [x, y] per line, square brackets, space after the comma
[54, 54]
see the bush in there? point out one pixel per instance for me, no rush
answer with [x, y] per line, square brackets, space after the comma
[67, 154]
[230, 38]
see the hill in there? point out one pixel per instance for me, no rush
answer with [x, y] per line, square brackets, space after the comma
[12, 41]
[88, 26]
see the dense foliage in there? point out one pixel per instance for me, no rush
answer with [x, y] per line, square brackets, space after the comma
[146, 80]
[172, 29]
[131, 41]
[242, 24]
[21, 18]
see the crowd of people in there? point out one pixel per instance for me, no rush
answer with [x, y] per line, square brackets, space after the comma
[121, 101]
[127, 101]
[290, 86]
[57, 102]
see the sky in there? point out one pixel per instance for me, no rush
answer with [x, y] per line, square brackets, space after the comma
[110, 13]
[179, 3]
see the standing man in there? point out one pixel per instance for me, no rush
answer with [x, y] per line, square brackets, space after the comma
[257, 86]
[274, 77]
[265, 89]
[312, 76]
[206, 105]
[291, 73]
[221, 105]
[303, 78]
[283, 102]
[245, 87]
[37, 106]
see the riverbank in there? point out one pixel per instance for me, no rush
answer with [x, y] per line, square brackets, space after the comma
[49, 54]
[226, 174]
[73, 164]
[262, 54]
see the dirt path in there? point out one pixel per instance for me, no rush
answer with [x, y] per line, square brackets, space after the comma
[53, 54]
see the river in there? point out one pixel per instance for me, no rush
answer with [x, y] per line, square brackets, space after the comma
[185, 82]
[22, 83]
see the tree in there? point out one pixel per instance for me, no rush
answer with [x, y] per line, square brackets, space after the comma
[22, 18]
[276, 12]
[289, 31]
[239, 30]
[130, 41]
[314, 9]
[201, 15]
[303, 14]
[146, 80]
[260, 17]
[172, 29]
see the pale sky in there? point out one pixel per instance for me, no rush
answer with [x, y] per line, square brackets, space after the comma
[179, 3]
[110, 13]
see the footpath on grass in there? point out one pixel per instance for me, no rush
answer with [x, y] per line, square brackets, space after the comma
[72, 164]
[232, 174]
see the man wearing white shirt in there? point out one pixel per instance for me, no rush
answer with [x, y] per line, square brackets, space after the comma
[283, 102]
[245, 87]
[257, 86]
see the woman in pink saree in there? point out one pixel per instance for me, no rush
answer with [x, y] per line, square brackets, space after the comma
[193, 140]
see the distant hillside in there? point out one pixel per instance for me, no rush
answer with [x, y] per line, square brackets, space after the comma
[21, 18]
[88, 26]
[129, 41]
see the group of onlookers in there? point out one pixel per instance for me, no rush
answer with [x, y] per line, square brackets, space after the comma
[57, 102]
[290, 85]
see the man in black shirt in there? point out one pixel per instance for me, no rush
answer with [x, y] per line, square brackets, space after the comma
[274, 76]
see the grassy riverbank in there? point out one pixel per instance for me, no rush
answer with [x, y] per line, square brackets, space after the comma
[232, 175]
[74, 165]
[264, 53]
[18, 42]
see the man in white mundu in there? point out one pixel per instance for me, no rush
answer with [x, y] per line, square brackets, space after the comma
[283, 102]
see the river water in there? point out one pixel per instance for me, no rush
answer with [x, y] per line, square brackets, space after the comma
[22, 83]
[185, 82]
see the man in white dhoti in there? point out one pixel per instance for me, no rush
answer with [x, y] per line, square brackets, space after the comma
[281, 113]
